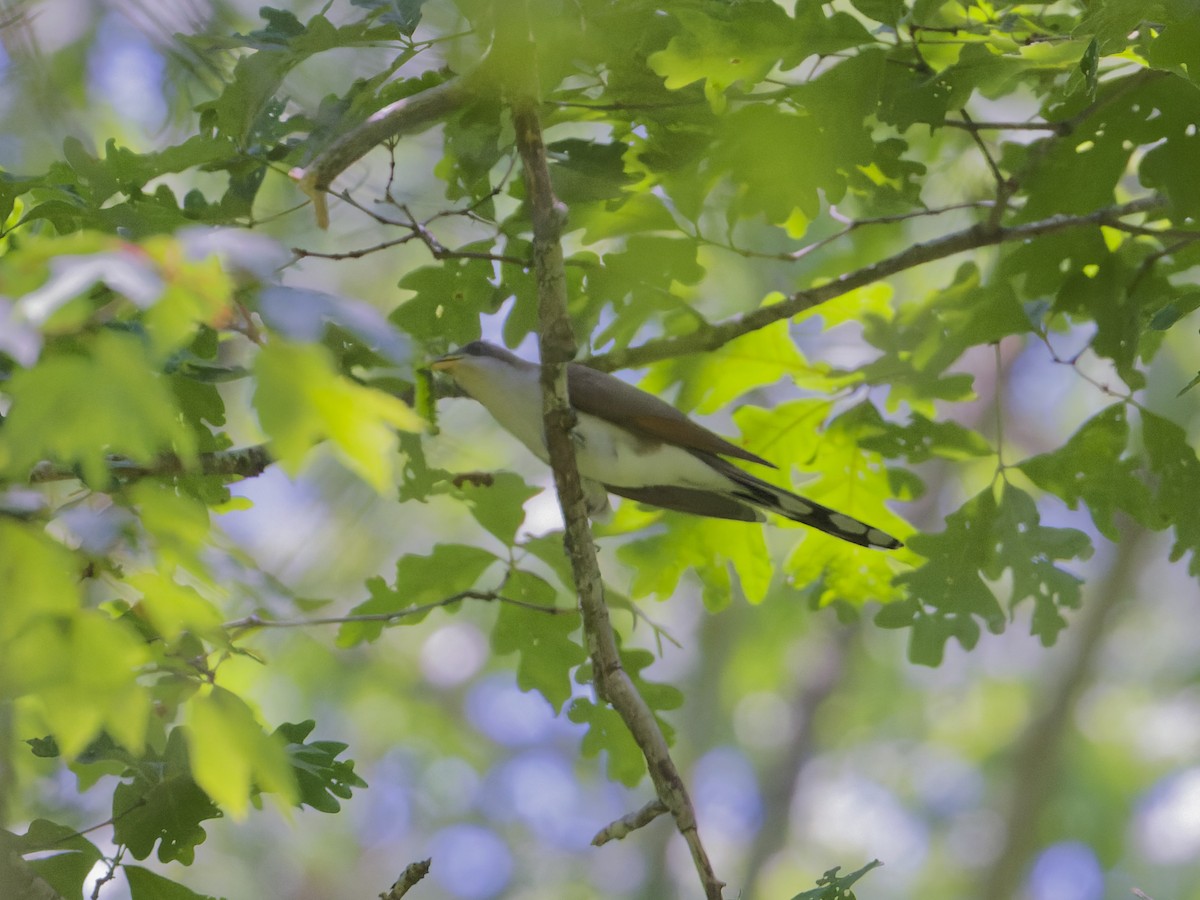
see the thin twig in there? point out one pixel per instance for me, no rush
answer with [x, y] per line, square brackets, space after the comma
[252, 622]
[971, 125]
[852, 225]
[993, 167]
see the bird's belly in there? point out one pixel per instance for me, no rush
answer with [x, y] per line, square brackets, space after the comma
[611, 455]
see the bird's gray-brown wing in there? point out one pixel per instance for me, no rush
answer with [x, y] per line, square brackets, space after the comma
[689, 500]
[607, 397]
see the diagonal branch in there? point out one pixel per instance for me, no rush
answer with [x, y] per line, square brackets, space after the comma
[711, 337]
[557, 344]
[405, 116]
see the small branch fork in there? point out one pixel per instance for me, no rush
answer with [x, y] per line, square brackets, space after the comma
[557, 340]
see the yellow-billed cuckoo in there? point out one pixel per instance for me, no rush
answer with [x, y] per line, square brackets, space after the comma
[636, 446]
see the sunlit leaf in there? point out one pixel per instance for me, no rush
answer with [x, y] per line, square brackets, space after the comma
[231, 756]
[445, 573]
[302, 400]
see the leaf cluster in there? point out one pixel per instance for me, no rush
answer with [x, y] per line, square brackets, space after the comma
[740, 180]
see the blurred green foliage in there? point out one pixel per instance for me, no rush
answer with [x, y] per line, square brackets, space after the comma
[718, 160]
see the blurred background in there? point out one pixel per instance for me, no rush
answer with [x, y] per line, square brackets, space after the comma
[1014, 770]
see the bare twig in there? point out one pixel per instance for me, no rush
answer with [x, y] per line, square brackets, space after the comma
[852, 225]
[557, 343]
[626, 825]
[109, 874]
[253, 622]
[717, 335]
[407, 880]
[971, 125]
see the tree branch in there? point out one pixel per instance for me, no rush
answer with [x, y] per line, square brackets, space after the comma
[246, 462]
[557, 344]
[408, 879]
[407, 115]
[713, 336]
[626, 825]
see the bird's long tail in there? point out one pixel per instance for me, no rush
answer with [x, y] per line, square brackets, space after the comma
[792, 506]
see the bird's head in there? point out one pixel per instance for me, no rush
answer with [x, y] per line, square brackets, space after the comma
[476, 364]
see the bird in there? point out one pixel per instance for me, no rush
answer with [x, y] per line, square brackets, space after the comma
[630, 443]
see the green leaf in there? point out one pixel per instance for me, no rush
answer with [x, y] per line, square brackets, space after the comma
[658, 696]
[1030, 550]
[114, 398]
[1094, 466]
[922, 439]
[178, 525]
[547, 654]
[498, 504]
[73, 855]
[739, 47]
[982, 539]
[711, 547]
[41, 580]
[173, 608]
[886, 11]
[926, 338]
[606, 730]
[587, 171]
[302, 400]
[832, 886]
[1174, 464]
[1089, 66]
[166, 810]
[420, 580]
[231, 756]
[840, 475]
[147, 885]
[1174, 47]
[450, 297]
[404, 14]
[549, 549]
[83, 669]
[711, 381]
[607, 733]
[321, 777]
